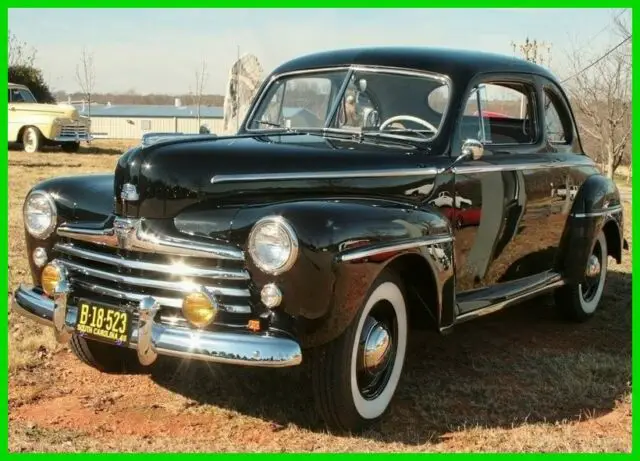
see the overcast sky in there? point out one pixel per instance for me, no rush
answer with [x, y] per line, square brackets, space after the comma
[158, 50]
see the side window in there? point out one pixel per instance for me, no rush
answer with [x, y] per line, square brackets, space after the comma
[500, 113]
[556, 120]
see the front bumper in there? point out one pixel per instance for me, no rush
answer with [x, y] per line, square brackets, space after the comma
[151, 339]
[74, 138]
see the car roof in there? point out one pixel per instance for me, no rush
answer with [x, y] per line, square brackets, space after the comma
[446, 61]
[16, 85]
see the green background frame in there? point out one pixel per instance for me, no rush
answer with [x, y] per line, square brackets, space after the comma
[4, 255]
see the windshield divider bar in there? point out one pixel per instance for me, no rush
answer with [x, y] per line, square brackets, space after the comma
[339, 95]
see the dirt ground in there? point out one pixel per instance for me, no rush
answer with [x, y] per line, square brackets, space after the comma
[519, 380]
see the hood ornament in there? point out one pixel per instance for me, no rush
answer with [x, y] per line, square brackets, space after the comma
[129, 193]
[124, 229]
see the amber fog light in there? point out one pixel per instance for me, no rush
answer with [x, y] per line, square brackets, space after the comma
[199, 308]
[271, 296]
[52, 274]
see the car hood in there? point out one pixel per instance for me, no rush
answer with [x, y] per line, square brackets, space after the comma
[172, 176]
[59, 110]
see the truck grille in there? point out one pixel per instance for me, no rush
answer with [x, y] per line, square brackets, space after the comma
[73, 130]
[112, 275]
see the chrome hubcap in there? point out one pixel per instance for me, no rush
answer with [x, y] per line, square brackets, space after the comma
[376, 350]
[593, 266]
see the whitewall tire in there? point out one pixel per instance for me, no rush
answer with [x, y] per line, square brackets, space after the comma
[356, 376]
[580, 300]
[31, 140]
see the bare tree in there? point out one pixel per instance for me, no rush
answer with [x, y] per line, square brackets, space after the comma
[601, 91]
[20, 54]
[201, 75]
[86, 76]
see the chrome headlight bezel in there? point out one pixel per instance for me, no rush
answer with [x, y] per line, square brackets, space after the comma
[292, 242]
[48, 230]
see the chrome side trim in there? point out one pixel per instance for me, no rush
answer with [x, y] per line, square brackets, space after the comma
[258, 350]
[602, 212]
[324, 175]
[360, 253]
[183, 270]
[430, 171]
[145, 240]
[182, 287]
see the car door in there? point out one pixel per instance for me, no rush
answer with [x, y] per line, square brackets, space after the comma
[506, 232]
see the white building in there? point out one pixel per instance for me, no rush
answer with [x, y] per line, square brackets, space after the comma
[132, 121]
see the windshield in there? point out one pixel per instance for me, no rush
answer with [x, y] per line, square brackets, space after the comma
[366, 100]
[20, 95]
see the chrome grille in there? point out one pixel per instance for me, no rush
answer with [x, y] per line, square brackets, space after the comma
[155, 265]
[73, 130]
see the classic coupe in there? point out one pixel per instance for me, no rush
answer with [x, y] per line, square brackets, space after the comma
[317, 238]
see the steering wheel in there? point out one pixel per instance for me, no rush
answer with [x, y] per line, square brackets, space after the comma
[409, 118]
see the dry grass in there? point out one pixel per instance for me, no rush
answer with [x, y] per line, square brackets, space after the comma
[520, 380]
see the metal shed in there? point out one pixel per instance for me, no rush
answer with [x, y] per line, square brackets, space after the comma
[132, 121]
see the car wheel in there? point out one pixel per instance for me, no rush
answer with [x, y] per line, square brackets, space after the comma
[356, 375]
[71, 147]
[105, 357]
[579, 301]
[31, 140]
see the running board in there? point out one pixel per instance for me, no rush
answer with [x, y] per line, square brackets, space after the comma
[495, 298]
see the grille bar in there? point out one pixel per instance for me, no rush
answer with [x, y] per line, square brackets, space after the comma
[137, 297]
[172, 269]
[182, 287]
[143, 238]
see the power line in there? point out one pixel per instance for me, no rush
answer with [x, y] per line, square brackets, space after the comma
[599, 59]
[603, 29]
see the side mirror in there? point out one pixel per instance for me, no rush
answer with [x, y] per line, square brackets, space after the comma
[472, 149]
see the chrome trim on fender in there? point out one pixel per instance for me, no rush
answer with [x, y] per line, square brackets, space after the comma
[602, 212]
[141, 238]
[250, 349]
[360, 252]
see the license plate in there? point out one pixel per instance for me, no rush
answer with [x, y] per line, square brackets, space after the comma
[104, 322]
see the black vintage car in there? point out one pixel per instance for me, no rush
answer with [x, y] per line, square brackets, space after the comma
[325, 228]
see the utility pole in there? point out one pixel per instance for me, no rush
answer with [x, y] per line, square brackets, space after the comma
[532, 51]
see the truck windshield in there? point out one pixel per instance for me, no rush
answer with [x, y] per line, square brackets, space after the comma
[20, 95]
[359, 99]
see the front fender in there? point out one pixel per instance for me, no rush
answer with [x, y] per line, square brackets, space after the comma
[323, 291]
[596, 206]
[87, 198]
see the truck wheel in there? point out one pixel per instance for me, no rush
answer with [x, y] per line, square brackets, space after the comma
[71, 147]
[355, 376]
[579, 301]
[105, 357]
[31, 140]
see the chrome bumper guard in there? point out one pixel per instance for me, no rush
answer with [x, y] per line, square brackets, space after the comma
[151, 339]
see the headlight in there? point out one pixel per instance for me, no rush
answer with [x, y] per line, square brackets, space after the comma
[273, 245]
[39, 214]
